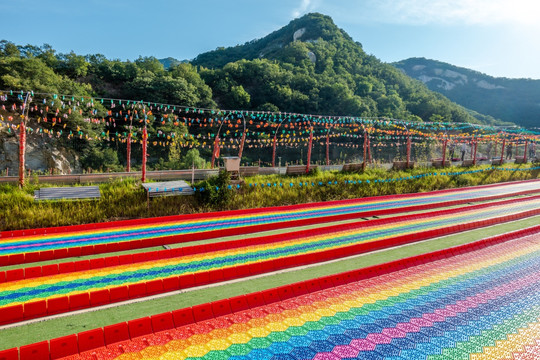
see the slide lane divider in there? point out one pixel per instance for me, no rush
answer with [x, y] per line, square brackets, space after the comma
[105, 339]
[76, 251]
[63, 304]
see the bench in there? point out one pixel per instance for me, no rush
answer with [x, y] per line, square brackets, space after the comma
[249, 170]
[298, 169]
[402, 165]
[468, 162]
[497, 162]
[520, 160]
[439, 163]
[168, 188]
[68, 193]
[354, 167]
[269, 171]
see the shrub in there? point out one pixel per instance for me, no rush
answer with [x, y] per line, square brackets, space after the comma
[215, 191]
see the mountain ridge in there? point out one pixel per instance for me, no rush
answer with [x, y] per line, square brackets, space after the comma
[306, 28]
[508, 99]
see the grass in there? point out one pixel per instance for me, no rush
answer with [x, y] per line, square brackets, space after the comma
[125, 198]
[48, 329]
[267, 196]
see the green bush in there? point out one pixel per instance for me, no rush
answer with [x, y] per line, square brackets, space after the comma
[215, 191]
[315, 171]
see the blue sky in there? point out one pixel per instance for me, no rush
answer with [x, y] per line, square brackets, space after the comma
[496, 37]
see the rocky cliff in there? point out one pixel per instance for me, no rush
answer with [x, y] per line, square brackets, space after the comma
[42, 155]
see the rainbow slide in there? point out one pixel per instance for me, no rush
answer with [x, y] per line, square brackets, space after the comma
[40, 294]
[475, 301]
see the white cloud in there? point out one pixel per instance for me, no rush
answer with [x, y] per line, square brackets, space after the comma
[467, 12]
[305, 6]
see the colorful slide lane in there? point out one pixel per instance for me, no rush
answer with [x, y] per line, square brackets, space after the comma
[478, 304]
[74, 288]
[154, 232]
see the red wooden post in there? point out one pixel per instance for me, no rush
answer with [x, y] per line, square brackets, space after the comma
[242, 145]
[475, 148]
[22, 139]
[370, 159]
[444, 152]
[274, 151]
[22, 150]
[144, 144]
[365, 150]
[274, 145]
[502, 151]
[128, 167]
[408, 150]
[215, 153]
[309, 148]
[328, 148]
[525, 153]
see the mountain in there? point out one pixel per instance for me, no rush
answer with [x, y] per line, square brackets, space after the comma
[312, 66]
[309, 66]
[513, 100]
[170, 62]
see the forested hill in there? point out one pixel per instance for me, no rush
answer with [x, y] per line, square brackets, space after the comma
[309, 28]
[312, 66]
[309, 66]
[513, 100]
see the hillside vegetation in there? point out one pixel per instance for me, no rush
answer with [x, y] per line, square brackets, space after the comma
[312, 66]
[309, 66]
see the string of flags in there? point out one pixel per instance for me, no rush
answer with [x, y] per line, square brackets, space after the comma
[102, 119]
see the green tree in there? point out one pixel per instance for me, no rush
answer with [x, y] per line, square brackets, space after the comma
[150, 64]
[72, 65]
[9, 49]
[193, 158]
[239, 97]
